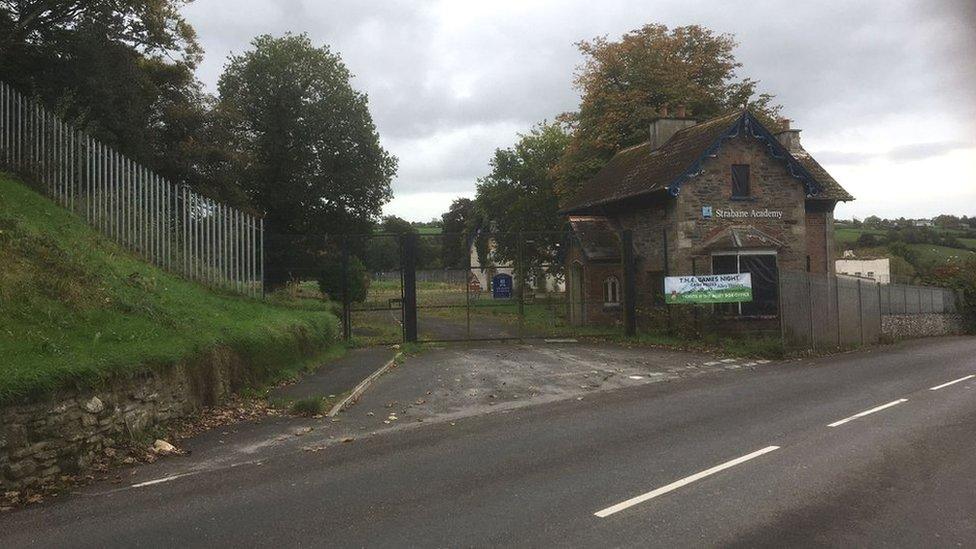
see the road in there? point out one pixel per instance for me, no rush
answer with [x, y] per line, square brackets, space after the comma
[783, 454]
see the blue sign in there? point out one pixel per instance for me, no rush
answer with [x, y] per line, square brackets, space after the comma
[501, 286]
[706, 212]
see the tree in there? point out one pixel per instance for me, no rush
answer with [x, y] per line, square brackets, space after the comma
[625, 83]
[518, 196]
[356, 283]
[123, 71]
[459, 224]
[310, 157]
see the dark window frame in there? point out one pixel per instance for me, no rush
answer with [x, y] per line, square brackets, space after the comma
[742, 310]
[738, 182]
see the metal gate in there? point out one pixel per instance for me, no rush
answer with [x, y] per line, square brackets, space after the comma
[488, 286]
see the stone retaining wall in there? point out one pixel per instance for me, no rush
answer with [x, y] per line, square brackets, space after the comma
[922, 325]
[40, 441]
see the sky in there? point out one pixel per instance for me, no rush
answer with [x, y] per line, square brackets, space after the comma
[884, 91]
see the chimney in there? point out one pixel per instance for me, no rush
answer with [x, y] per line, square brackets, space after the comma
[665, 126]
[787, 136]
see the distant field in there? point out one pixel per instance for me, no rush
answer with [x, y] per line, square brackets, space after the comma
[848, 236]
[928, 253]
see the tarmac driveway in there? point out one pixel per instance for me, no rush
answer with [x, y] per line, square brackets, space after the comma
[438, 385]
[462, 380]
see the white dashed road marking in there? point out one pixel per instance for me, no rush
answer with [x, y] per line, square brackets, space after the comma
[867, 412]
[604, 513]
[953, 382]
[158, 481]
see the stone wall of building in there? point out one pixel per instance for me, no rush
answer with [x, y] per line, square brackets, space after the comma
[651, 228]
[61, 435]
[772, 188]
[922, 325]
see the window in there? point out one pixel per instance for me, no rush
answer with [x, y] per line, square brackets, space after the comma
[765, 281]
[740, 181]
[871, 274]
[611, 291]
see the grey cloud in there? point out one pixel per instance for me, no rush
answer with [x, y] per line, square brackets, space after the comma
[920, 151]
[902, 153]
[466, 76]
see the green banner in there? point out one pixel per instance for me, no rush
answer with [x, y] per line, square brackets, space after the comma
[728, 288]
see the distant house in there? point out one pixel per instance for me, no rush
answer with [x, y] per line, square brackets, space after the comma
[481, 274]
[723, 196]
[923, 223]
[878, 269]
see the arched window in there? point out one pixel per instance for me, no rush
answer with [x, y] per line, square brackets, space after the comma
[611, 291]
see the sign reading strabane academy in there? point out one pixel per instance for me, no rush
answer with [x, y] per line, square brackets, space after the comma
[727, 288]
[728, 213]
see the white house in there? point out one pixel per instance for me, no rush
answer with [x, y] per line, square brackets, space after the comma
[875, 269]
[484, 273]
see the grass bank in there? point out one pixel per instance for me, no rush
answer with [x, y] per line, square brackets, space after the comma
[75, 309]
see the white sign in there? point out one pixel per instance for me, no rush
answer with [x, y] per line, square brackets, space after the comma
[729, 213]
[725, 288]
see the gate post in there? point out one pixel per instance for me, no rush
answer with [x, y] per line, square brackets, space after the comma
[630, 285]
[520, 273]
[346, 302]
[409, 267]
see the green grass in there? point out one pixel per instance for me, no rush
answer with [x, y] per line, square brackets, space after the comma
[932, 254]
[848, 236]
[311, 406]
[969, 243]
[75, 309]
[745, 346]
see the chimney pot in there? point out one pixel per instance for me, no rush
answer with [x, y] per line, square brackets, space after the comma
[664, 111]
[785, 123]
[681, 112]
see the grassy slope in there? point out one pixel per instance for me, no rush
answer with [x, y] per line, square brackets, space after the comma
[75, 308]
[927, 253]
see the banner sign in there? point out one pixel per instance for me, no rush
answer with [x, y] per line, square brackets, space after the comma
[727, 288]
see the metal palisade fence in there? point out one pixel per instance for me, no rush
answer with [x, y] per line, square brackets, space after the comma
[167, 224]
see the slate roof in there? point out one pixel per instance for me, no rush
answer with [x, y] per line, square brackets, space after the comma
[640, 170]
[831, 188]
[596, 237]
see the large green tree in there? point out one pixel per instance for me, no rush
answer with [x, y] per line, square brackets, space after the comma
[460, 223]
[310, 156]
[518, 197]
[625, 83]
[122, 70]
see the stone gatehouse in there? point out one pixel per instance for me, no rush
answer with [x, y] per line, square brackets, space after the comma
[722, 196]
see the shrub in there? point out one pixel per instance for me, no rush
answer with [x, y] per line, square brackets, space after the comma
[330, 279]
[960, 276]
[312, 406]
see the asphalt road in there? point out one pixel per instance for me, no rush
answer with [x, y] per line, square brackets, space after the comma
[903, 476]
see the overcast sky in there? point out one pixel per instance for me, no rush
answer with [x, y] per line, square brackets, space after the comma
[884, 91]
